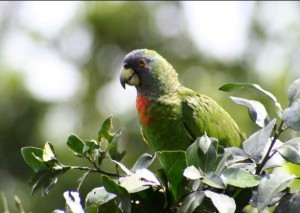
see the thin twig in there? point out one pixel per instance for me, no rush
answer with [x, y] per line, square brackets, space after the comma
[4, 203]
[19, 204]
[268, 156]
[81, 179]
[96, 170]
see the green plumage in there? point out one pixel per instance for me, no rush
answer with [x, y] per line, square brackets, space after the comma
[175, 115]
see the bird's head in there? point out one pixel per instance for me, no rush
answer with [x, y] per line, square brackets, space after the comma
[149, 72]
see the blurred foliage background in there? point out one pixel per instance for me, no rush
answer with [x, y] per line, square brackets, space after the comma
[60, 75]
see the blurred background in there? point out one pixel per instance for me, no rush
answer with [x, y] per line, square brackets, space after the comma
[60, 62]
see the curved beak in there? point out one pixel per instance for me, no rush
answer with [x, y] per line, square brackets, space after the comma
[128, 76]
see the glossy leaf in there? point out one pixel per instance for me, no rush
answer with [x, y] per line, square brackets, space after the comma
[290, 150]
[240, 178]
[173, 163]
[257, 144]
[58, 211]
[257, 111]
[222, 202]
[143, 162]
[90, 145]
[269, 186]
[73, 201]
[191, 202]
[214, 180]
[104, 132]
[33, 157]
[113, 148]
[95, 155]
[290, 203]
[97, 197]
[192, 154]
[48, 152]
[138, 181]
[110, 206]
[294, 90]
[237, 155]
[291, 116]
[223, 162]
[277, 160]
[123, 167]
[112, 187]
[75, 144]
[191, 172]
[237, 86]
[45, 180]
[208, 153]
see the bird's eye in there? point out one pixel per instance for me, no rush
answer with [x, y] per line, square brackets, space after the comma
[142, 63]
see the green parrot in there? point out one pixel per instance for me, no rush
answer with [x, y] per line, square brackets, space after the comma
[172, 116]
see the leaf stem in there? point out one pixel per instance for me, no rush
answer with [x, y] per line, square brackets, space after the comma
[4, 203]
[95, 170]
[268, 156]
[19, 204]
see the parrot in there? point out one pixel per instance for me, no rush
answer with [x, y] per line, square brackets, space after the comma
[172, 116]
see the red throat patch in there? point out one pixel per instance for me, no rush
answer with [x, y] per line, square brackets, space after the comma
[142, 107]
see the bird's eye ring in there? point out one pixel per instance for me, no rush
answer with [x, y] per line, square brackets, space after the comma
[142, 63]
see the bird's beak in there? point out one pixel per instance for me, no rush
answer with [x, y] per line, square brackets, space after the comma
[128, 76]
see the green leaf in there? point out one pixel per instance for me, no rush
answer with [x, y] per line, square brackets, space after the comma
[291, 116]
[114, 145]
[294, 90]
[237, 86]
[277, 160]
[104, 132]
[192, 155]
[237, 154]
[91, 144]
[150, 200]
[48, 153]
[290, 203]
[110, 206]
[45, 180]
[290, 150]
[223, 162]
[75, 144]
[207, 153]
[257, 111]
[173, 163]
[143, 162]
[123, 167]
[58, 211]
[269, 186]
[96, 154]
[242, 197]
[112, 187]
[223, 203]
[191, 172]
[191, 202]
[73, 201]
[97, 197]
[140, 180]
[161, 175]
[33, 157]
[257, 144]
[214, 180]
[240, 178]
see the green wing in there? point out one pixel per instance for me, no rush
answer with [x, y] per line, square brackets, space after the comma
[202, 114]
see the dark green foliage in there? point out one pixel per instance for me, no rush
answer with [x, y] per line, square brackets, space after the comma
[204, 178]
[290, 203]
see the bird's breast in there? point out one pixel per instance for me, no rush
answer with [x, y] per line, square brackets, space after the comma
[142, 106]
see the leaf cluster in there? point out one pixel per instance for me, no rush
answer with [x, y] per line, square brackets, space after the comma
[204, 178]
